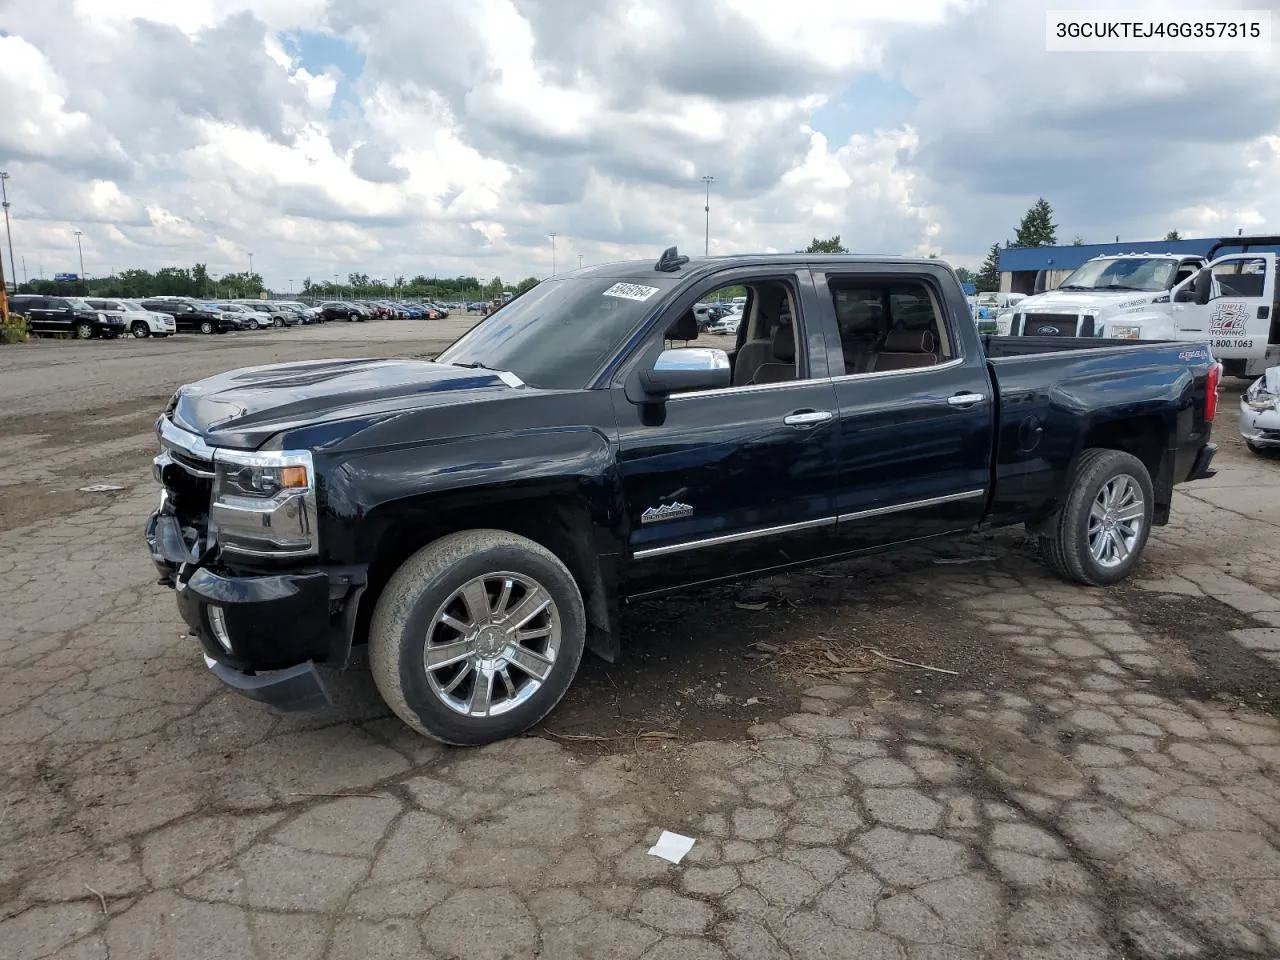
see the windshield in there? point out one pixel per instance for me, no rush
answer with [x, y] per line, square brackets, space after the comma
[562, 331]
[78, 304]
[1127, 273]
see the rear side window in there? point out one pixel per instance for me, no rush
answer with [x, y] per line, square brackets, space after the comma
[890, 324]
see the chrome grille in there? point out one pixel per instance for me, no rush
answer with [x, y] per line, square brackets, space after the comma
[1050, 325]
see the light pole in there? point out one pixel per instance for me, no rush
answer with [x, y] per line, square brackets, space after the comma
[706, 208]
[553, 254]
[579, 261]
[4, 195]
[80, 249]
[290, 289]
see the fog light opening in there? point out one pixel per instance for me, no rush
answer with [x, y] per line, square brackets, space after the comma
[218, 624]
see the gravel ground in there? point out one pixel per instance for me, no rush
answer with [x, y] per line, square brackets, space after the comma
[1099, 777]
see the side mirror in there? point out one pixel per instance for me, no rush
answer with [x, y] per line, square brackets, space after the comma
[1203, 285]
[698, 368]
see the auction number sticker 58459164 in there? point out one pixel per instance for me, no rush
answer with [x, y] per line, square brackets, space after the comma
[631, 291]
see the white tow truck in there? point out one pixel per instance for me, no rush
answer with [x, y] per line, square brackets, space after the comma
[1232, 301]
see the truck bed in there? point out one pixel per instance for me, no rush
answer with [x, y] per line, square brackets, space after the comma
[1057, 395]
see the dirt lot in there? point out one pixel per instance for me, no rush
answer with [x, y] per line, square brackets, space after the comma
[1062, 773]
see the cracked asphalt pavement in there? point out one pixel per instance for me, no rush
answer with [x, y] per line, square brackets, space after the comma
[1100, 778]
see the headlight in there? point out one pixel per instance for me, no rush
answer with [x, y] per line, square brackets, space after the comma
[1125, 331]
[264, 504]
[1260, 398]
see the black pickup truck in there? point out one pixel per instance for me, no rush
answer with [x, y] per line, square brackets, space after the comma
[478, 519]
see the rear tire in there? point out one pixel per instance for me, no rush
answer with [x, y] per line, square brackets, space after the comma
[140, 330]
[434, 590]
[1097, 537]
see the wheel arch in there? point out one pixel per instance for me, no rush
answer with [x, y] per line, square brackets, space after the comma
[557, 519]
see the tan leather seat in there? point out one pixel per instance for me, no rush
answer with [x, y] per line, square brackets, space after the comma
[782, 365]
[905, 350]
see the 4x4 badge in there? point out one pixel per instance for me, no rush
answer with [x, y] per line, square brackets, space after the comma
[668, 511]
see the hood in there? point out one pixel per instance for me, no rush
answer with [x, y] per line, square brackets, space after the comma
[1084, 301]
[244, 408]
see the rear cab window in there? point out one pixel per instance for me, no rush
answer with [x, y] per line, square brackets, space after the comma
[890, 323]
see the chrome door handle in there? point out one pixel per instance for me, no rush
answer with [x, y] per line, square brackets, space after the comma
[966, 399]
[807, 418]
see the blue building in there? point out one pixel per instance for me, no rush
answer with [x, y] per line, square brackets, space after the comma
[1020, 266]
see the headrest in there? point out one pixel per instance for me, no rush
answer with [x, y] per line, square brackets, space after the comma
[784, 343]
[686, 328]
[909, 341]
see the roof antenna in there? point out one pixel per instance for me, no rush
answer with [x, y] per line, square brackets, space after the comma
[670, 261]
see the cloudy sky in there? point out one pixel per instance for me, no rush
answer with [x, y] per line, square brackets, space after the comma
[452, 136]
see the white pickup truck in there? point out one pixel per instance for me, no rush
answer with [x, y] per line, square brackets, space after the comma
[1233, 302]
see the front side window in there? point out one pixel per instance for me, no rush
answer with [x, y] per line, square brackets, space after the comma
[1241, 277]
[558, 334]
[889, 325]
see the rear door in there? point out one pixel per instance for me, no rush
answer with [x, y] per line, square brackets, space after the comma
[915, 406]
[37, 312]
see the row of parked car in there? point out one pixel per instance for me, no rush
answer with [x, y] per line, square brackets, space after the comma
[358, 310]
[110, 317]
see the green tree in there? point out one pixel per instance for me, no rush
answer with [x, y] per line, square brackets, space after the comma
[528, 283]
[494, 287]
[965, 275]
[830, 245]
[200, 277]
[1173, 235]
[988, 279]
[1037, 228]
[1078, 241]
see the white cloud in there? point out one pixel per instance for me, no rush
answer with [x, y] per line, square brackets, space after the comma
[175, 133]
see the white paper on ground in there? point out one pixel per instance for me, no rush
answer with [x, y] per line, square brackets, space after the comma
[671, 847]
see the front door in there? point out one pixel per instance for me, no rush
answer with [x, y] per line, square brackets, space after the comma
[723, 482]
[1238, 317]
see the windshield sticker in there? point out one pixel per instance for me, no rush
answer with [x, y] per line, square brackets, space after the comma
[1229, 319]
[631, 291]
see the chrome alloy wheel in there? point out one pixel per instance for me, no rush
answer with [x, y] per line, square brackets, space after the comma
[492, 644]
[1115, 520]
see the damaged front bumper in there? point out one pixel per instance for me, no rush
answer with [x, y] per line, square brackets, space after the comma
[1261, 428]
[262, 634]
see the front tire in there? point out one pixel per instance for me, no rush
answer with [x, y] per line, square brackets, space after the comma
[206, 326]
[277, 323]
[140, 330]
[1098, 535]
[477, 637]
[84, 331]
